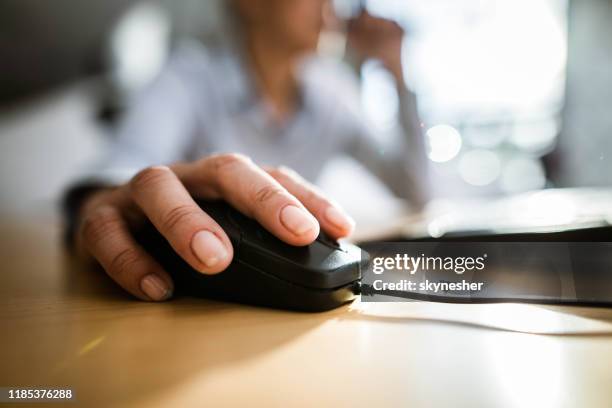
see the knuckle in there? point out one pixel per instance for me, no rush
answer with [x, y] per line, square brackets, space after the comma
[123, 263]
[227, 161]
[148, 177]
[98, 225]
[181, 214]
[267, 193]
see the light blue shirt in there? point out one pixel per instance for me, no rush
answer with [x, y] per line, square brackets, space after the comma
[204, 102]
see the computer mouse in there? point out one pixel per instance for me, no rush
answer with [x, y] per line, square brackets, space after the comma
[265, 271]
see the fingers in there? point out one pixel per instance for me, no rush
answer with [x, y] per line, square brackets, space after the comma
[194, 235]
[105, 235]
[332, 218]
[255, 193]
[370, 29]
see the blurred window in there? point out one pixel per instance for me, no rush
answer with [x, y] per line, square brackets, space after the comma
[490, 75]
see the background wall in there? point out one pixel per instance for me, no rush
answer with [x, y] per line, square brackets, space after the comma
[46, 43]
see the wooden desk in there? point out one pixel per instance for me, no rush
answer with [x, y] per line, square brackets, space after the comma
[65, 326]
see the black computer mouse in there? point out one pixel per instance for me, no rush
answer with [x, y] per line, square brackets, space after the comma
[265, 271]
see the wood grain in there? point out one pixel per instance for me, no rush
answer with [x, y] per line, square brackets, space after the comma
[64, 324]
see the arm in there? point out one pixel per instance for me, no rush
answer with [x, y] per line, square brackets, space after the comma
[403, 166]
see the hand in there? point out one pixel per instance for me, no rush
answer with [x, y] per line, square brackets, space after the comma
[284, 203]
[377, 38]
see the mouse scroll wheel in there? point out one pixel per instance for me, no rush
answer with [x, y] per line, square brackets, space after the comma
[328, 241]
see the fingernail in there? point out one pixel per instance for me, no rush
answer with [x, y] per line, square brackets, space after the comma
[208, 248]
[155, 287]
[339, 218]
[297, 220]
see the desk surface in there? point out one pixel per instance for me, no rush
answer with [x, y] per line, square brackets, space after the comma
[63, 325]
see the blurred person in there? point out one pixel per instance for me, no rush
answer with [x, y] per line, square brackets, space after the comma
[222, 122]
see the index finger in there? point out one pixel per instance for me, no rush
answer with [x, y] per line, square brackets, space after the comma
[192, 233]
[254, 192]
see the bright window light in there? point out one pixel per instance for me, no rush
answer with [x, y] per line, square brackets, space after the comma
[443, 142]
